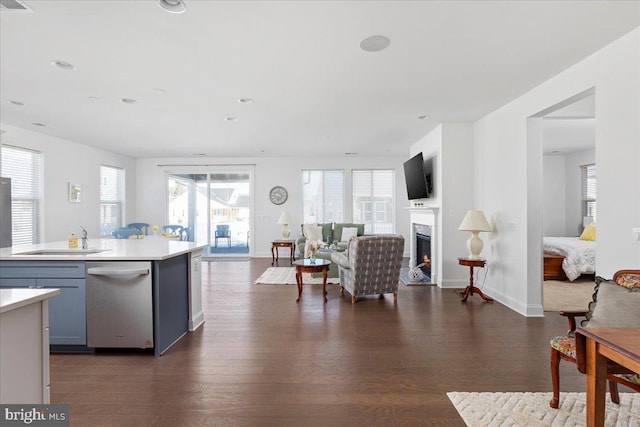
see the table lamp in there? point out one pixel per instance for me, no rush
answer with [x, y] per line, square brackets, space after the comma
[475, 222]
[285, 220]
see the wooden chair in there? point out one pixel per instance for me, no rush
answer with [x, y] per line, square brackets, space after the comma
[172, 228]
[565, 347]
[142, 227]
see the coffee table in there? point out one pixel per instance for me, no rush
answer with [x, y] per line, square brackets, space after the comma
[307, 266]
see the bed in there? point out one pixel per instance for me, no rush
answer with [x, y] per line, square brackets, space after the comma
[568, 258]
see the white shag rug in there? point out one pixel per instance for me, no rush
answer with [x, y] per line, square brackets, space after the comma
[287, 276]
[532, 410]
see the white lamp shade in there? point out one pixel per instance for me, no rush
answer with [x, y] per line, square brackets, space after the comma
[285, 218]
[474, 221]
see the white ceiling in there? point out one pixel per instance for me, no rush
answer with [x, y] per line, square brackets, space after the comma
[315, 91]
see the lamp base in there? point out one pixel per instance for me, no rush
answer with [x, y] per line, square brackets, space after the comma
[285, 232]
[474, 244]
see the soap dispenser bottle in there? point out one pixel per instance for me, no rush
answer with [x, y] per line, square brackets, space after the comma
[73, 240]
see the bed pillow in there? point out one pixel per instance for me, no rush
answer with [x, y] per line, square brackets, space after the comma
[347, 233]
[589, 233]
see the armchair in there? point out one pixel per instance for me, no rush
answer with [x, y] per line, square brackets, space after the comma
[615, 304]
[372, 265]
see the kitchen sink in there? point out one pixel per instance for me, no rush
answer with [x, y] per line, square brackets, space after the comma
[78, 251]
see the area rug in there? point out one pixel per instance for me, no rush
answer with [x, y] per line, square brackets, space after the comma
[532, 409]
[568, 296]
[287, 276]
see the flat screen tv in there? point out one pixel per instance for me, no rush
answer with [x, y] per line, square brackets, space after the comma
[415, 178]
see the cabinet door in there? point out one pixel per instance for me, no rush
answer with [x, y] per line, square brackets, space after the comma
[67, 311]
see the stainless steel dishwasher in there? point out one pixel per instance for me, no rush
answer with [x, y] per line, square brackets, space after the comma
[119, 304]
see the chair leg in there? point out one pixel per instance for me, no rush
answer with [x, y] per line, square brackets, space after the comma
[381, 296]
[395, 297]
[353, 299]
[613, 389]
[341, 290]
[555, 378]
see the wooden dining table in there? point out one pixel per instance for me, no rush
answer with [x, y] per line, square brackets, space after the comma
[603, 347]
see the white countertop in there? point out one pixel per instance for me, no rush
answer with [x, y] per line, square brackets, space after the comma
[150, 248]
[10, 299]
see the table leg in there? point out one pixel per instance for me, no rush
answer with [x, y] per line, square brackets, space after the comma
[299, 282]
[469, 290]
[292, 250]
[273, 258]
[596, 385]
[324, 283]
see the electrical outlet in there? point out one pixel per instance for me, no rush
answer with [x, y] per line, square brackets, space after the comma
[635, 232]
[511, 225]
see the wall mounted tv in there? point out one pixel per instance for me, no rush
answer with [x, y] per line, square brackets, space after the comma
[416, 178]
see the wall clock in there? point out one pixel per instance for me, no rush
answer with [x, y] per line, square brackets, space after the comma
[278, 195]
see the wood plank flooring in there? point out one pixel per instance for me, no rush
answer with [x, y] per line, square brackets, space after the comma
[261, 359]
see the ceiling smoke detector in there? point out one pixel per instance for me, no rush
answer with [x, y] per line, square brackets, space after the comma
[173, 6]
[374, 43]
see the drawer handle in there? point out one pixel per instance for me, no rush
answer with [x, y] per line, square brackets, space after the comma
[105, 271]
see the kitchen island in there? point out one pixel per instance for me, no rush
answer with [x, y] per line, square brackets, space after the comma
[174, 287]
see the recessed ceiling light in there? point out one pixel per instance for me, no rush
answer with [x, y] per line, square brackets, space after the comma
[93, 97]
[159, 90]
[424, 117]
[173, 6]
[129, 101]
[245, 100]
[199, 154]
[38, 124]
[231, 119]
[63, 64]
[350, 154]
[374, 43]
[263, 151]
[555, 152]
[16, 102]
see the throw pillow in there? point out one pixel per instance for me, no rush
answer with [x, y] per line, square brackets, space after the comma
[347, 233]
[615, 306]
[312, 232]
[589, 233]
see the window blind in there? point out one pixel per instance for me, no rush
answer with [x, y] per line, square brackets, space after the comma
[323, 196]
[588, 173]
[111, 199]
[24, 167]
[373, 200]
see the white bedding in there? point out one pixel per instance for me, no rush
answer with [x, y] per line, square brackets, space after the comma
[579, 255]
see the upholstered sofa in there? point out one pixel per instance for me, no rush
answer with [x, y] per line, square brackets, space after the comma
[371, 265]
[331, 233]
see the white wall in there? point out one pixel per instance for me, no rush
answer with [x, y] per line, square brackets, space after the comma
[64, 162]
[508, 172]
[555, 201]
[452, 146]
[573, 181]
[269, 172]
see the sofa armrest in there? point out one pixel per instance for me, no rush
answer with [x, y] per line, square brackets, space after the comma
[340, 259]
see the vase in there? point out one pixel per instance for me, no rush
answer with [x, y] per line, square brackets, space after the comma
[312, 258]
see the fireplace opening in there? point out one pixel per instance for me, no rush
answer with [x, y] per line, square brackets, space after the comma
[423, 253]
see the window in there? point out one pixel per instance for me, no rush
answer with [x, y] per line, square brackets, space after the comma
[24, 167]
[373, 200]
[111, 199]
[588, 173]
[322, 196]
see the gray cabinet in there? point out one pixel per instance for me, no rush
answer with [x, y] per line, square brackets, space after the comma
[67, 311]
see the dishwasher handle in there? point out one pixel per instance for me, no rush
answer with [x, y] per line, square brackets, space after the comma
[110, 271]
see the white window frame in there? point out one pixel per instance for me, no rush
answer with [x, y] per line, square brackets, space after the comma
[316, 210]
[26, 193]
[374, 201]
[588, 177]
[119, 200]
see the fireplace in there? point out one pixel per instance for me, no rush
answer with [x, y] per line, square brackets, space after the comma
[424, 242]
[423, 253]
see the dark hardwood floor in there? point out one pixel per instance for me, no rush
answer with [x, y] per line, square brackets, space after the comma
[261, 359]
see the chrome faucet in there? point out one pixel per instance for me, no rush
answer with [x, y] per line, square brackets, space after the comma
[85, 244]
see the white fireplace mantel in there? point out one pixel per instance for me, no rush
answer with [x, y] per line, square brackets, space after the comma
[425, 216]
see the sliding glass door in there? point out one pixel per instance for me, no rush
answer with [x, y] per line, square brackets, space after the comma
[215, 206]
